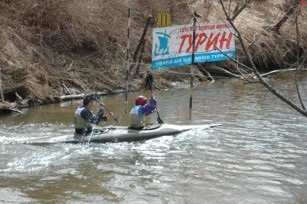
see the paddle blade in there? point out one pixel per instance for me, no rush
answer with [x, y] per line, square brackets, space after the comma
[149, 81]
[116, 120]
[160, 121]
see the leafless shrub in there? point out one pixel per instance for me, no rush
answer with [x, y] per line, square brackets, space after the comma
[58, 41]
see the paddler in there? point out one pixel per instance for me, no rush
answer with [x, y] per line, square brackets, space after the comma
[84, 116]
[140, 110]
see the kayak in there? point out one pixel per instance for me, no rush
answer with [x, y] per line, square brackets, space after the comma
[120, 134]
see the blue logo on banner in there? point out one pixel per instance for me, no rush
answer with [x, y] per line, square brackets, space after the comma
[163, 47]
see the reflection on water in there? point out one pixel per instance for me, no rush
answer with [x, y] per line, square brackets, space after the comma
[258, 155]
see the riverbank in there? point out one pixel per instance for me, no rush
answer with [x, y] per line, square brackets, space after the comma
[54, 48]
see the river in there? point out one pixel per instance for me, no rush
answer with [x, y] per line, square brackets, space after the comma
[257, 155]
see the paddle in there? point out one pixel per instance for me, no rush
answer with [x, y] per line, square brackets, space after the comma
[114, 118]
[96, 97]
[149, 82]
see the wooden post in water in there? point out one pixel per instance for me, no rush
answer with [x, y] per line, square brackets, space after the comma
[1, 91]
[127, 62]
[192, 73]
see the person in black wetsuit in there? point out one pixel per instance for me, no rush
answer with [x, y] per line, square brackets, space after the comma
[84, 117]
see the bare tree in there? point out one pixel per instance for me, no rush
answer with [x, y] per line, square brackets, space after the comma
[299, 108]
[292, 8]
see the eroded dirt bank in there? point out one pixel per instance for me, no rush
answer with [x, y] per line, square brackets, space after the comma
[52, 47]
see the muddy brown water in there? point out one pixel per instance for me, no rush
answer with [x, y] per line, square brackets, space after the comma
[258, 155]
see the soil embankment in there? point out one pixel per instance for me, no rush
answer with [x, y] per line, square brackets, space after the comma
[53, 47]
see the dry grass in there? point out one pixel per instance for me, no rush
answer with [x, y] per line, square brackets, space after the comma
[83, 43]
[62, 40]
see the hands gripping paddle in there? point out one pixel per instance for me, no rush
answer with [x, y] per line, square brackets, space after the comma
[149, 82]
[96, 98]
[114, 118]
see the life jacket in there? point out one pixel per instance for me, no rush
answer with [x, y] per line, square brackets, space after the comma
[137, 117]
[79, 122]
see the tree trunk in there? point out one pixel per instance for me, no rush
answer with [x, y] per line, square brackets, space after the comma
[291, 10]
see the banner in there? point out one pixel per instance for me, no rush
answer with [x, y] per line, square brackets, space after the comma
[172, 46]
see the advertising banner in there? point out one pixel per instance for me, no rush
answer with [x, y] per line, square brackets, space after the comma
[172, 46]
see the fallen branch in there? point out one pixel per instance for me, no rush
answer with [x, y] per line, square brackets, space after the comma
[71, 97]
[279, 71]
[7, 107]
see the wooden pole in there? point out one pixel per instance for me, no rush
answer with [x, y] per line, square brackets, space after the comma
[192, 73]
[1, 91]
[141, 46]
[127, 61]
